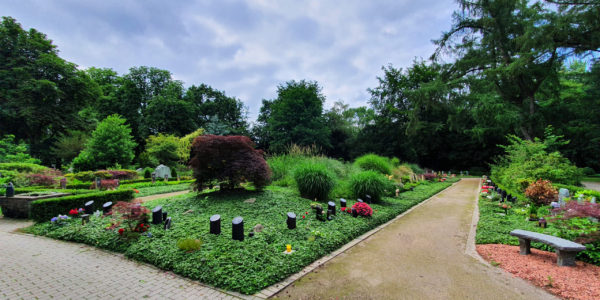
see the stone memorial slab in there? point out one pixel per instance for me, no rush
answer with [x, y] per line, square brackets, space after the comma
[162, 171]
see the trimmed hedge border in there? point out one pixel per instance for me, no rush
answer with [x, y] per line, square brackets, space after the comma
[45, 209]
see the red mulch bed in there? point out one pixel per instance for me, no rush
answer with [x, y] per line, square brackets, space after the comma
[578, 282]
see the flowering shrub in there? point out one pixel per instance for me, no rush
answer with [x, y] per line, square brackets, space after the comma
[108, 184]
[40, 179]
[541, 192]
[59, 220]
[429, 176]
[76, 212]
[363, 209]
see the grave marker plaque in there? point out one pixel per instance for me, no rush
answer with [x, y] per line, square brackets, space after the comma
[157, 215]
[291, 220]
[215, 224]
[237, 229]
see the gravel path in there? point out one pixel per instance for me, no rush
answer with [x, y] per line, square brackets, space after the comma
[33, 267]
[420, 256]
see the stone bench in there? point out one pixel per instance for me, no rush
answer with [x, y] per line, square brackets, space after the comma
[565, 249]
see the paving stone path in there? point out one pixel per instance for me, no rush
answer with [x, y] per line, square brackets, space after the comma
[34, 267]
[422, 255]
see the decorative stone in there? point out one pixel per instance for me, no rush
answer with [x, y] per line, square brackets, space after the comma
[10, 190]
[237, 229]
[167, 225]
[106, 207]
[215, 224]
[331, 206]
[162, 171]
[157, 215]
[291, 220]
[258, 228]
[63, 183]
[593, 200]
[343, 202]
[88, 207]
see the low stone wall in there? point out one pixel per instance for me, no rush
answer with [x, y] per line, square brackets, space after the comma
[20, 205]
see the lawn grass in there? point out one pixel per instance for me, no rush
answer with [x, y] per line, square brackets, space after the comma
[591, 179]
[247, 266]
[153, 190]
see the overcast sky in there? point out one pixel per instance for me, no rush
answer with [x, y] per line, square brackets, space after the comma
[245, 48]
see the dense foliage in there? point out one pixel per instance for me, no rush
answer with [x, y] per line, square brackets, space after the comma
[375, 163]
[228, 160]
[314, 180]
[111, 144]
[370, 183]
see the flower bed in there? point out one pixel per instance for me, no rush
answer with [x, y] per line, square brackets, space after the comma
[247, 266]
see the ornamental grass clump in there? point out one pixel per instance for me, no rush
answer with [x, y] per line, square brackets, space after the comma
[375, 163]
[541, 192]
[314, 180]
[369, 183]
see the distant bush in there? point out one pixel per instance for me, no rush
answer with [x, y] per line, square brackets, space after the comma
[415, 168]
[369, 183]
[229, 160]
[23, 167]
[430, 176]
[530, 160]
[123, 174]
[374, 162]
[40, 179]
[314, 180]
[541, 192]
[148, 173]
[588, 171]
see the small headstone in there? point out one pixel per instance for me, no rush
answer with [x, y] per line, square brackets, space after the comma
[562, 194]
[177, 177]
[368, 198]
[157, 215]
[168, 224]
[343, 202]
[164, 216]
[85, 219]
[106, 207]
[580, 198]
[63, 183]
[467, 173]
[162, 171]
[354, 212]
[359, 200]
[10, 190]
[593, 200]
[331, 206]
[88, 207]
[251, 200]
[237, 229]
[291, 220]
[98, 182]
[118, 182]
[153, 177]
[166, 178]
[215, 224]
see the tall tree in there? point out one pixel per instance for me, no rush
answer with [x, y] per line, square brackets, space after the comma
[41, 94]
[296, 117]
[212, 108]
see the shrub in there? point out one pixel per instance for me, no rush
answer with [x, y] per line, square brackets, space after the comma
[430, 176]
[228, 159]
[368, 183]
[123, 174]
[541, 192]
[314, 180]
[102, 174]
[44, 209]
[163, 148]
[374, 162]
[82, 176]
[108, 184]
[363, 209]
[11, 151]
[148, 173]
[23, 167]
[111, 143]
[189, 245]
[588, 171]
[40, 179]
[529, 159]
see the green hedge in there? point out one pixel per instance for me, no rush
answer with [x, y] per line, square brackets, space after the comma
[23, 167]
[45, 209]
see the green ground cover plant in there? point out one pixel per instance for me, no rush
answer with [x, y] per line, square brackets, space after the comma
[246, 266]
[153, 190]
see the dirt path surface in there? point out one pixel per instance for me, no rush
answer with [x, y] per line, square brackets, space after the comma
[33, 267]
[420, 256]
[591, 185]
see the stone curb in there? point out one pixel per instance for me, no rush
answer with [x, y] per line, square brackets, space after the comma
[278, 287]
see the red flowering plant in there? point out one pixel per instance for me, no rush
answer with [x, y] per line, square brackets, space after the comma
[363, 209]
[132, 216]
[429, 176]
[76, 212]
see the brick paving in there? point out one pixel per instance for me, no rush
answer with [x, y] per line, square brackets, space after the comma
[34, 267]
